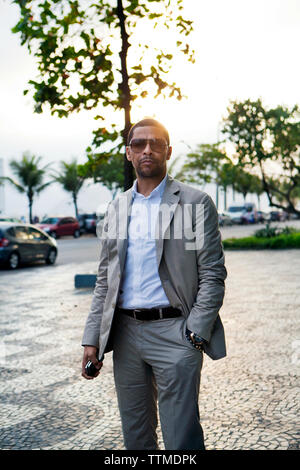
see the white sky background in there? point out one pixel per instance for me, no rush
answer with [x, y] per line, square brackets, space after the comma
[244, 49]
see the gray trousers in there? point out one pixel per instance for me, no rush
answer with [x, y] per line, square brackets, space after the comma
[153, 360]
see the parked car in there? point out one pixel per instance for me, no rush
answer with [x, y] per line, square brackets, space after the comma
[262, 217]
[60, 226]
[284, 216]
[87, 222]
[224, 219]
[244, 214]
[279, 216]
[275, 216]
[235, 213]
[25, 243]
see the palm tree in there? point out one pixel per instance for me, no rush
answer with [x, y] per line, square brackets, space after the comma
[29, 177]
[70, 180]
[225, 176]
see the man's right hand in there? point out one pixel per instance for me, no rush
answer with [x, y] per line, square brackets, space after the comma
[90, 354]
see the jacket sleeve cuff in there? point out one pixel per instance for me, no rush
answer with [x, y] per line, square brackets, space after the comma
[90, 340]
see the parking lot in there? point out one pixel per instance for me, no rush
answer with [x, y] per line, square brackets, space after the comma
[249, 400]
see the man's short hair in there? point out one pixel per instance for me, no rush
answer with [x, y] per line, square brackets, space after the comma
[145, 123]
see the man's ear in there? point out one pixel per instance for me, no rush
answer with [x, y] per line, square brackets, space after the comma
[169, 153]
[128, 154]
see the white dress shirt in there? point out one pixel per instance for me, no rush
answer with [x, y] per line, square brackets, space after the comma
[140, 285]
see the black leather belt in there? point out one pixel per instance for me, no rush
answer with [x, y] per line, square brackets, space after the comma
[145, 314]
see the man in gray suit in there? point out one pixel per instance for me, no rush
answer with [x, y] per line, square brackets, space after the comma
[156, 303]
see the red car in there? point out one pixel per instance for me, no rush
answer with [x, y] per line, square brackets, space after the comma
[60, 226]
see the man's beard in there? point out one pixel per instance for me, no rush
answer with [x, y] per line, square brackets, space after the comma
[150, 172]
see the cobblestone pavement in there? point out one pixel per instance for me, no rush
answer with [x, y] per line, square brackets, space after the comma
[248, 400]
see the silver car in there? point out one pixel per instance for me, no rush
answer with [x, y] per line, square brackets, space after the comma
[25, 243]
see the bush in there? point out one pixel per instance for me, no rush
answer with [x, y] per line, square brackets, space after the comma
[270, 232]
[291, 240]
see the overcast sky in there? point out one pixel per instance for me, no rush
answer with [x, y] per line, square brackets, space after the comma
[244, 49]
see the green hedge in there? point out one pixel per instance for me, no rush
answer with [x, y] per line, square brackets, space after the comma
[280, 241]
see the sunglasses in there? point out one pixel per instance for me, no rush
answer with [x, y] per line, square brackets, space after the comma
[157, 145]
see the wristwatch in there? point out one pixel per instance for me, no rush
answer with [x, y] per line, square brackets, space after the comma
[195, 340]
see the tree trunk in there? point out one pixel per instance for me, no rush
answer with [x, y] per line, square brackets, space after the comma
[75, 205]
[225, 199]
[125, 93]
[267, 188]
[233, 193]
[217, 196]
[258, 201]
[30, 210]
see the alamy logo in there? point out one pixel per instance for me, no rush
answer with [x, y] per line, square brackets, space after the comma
[155, 221]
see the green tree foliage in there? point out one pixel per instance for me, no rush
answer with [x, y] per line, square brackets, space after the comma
[208, 163]
[245, 183]
[284, 188]
[110, 172]
[30, 177]
[70, 180]
[91, 55]
[203, 164]
[269, 141]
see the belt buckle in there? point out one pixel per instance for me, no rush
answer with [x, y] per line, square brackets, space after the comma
[135, 311]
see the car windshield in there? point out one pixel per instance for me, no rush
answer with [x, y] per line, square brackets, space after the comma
[50, 220]
[236, 209]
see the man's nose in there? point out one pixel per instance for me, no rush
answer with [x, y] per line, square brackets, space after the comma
[147, 149]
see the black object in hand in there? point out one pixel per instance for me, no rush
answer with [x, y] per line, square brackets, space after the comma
[90, 369]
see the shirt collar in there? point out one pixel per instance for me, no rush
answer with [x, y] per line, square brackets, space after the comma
[158, 191]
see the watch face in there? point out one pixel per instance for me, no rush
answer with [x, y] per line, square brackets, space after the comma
[198, 339]
[196, 344]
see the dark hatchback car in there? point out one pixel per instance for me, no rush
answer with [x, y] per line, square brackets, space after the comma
[88, 223]
[24, 243]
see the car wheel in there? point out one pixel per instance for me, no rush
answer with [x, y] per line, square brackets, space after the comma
[53, 234]
[76, 234]
[51, 256]
[14, 261]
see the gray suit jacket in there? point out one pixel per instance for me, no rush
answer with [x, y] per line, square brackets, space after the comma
[190, 263]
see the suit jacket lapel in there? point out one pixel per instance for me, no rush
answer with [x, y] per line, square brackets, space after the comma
[123, 216]
[167, 209]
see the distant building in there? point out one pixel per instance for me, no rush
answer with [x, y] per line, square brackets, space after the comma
[2, 198]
